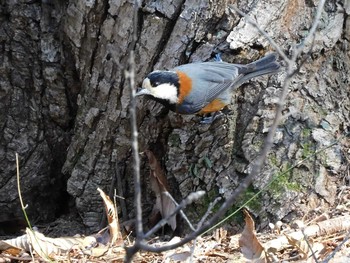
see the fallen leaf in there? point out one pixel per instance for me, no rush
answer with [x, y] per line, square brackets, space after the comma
[306, 247]
[47, 247]
[300, 244]
[164, 204]
[113, 221]
[20, 242]
[248, 242]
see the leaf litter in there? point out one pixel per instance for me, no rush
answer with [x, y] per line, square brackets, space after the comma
[324, 238]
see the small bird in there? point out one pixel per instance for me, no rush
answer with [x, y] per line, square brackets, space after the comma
[202, 88]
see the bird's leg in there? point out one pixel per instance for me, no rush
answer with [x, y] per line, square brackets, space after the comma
[211, 117]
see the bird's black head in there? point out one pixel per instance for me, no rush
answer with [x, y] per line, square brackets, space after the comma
[162, 85]
[158, 78]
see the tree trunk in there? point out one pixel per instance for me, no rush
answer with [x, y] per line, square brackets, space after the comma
[62, 86]
[38, 92]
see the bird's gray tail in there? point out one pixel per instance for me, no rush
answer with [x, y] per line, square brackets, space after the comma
[263, 66]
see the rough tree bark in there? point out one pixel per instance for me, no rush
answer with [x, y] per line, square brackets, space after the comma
[62, 87]
[38, 91]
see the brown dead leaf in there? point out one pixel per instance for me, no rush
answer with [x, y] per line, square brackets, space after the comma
[113, 221]
[15, 252]
[159, 185]
[306, 248]
[300, 244]
[248, 242]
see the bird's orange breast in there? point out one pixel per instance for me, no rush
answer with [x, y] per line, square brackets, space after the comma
[213, 106]
[185, 86]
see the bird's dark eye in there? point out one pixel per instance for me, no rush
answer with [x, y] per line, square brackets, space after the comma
[157, 83]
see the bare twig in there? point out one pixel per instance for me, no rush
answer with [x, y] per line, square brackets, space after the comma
[346, 239]
[210, 208]
[309, 245]
[207, 213]
[130, 77]
[181, 211]
[254, 24]
[188, 200]
[312, 31]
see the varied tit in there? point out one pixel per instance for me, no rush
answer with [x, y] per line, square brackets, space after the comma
[203, 87]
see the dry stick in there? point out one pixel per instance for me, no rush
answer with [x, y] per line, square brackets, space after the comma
[256, 168]
[188, 200]
[269, 39]
[130, 76]
[309, 245]
[337, 248]
[120, 192]
[181, 211]
[207, 213]
[312, 32]
[136, 161]
[210, 208]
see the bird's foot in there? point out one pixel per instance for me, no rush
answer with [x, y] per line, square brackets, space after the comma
[211, 118]
[218, 57]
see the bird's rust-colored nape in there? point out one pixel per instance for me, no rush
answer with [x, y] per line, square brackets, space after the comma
[213, 106]
[185, 86]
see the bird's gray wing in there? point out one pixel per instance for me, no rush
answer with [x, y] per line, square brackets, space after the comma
[210, 79]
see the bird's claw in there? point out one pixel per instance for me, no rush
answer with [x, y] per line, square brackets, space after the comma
[210, 119]
[218, 57]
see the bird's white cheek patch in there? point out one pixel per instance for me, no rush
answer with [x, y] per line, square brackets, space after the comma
[165, 91]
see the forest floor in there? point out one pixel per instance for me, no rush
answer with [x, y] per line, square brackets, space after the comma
[320, 236]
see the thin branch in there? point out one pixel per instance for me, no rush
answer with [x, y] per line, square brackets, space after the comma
[130, 76]
[254, 24]
[188, 200]
[135, 148]
[309, 245]
[210, 208]
[312, 32]
[134, 132]
[347, 237]
[205, 216]
[181, 211]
